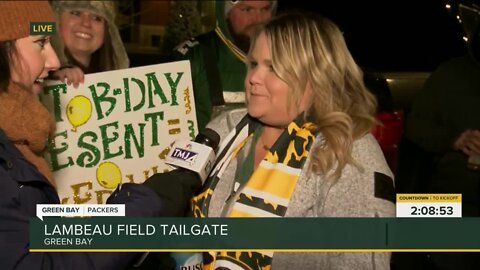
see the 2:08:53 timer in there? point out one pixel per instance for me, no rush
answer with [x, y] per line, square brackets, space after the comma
[431, 210]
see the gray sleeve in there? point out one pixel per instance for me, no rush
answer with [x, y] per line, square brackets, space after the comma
[356, 195]
[353, 195]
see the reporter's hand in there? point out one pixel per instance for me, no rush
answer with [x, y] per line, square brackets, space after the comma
[468, 142]
[70, 75]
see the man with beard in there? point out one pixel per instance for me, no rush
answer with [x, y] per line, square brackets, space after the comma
[217, 57]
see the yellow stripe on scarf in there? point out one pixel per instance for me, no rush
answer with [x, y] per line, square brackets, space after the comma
[282, 186]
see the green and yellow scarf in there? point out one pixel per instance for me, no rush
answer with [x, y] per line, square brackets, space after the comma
[268, 190]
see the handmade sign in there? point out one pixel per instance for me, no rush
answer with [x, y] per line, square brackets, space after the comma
[117, 127]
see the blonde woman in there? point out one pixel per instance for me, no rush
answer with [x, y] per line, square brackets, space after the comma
[302, 144]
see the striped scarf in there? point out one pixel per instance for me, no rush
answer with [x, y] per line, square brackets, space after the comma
[267, 192]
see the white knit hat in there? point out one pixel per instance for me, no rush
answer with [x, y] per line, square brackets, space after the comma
[229, 4]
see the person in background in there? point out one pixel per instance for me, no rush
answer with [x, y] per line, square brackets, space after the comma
[302, 144]
[88, 40]
[444, 122]
[25, 128]
[217, 58]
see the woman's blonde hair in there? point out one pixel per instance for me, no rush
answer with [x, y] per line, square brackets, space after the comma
[309, 50]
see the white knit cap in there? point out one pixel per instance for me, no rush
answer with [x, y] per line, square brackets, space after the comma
[229, 4]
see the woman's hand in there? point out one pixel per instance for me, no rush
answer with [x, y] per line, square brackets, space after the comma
[468, 142]
[70, 75]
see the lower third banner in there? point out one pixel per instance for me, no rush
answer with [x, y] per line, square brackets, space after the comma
[302, 234]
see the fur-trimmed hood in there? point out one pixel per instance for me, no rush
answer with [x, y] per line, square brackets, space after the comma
[108, 11]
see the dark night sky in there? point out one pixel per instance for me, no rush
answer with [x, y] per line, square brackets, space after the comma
[392, 34]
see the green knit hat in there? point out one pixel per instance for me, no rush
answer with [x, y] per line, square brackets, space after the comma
[229, 4]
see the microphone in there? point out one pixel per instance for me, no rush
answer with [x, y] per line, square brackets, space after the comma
[194, 161]
[197, 156]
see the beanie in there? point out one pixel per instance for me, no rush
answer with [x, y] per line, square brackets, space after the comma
[106, 9]
[16, 16]
[231, 3]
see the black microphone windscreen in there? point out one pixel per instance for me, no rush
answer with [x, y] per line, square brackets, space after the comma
[209, 138]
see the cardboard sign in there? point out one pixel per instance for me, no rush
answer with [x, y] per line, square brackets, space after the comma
[117, 127]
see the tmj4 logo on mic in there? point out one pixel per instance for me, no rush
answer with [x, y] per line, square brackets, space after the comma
[185, 154]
